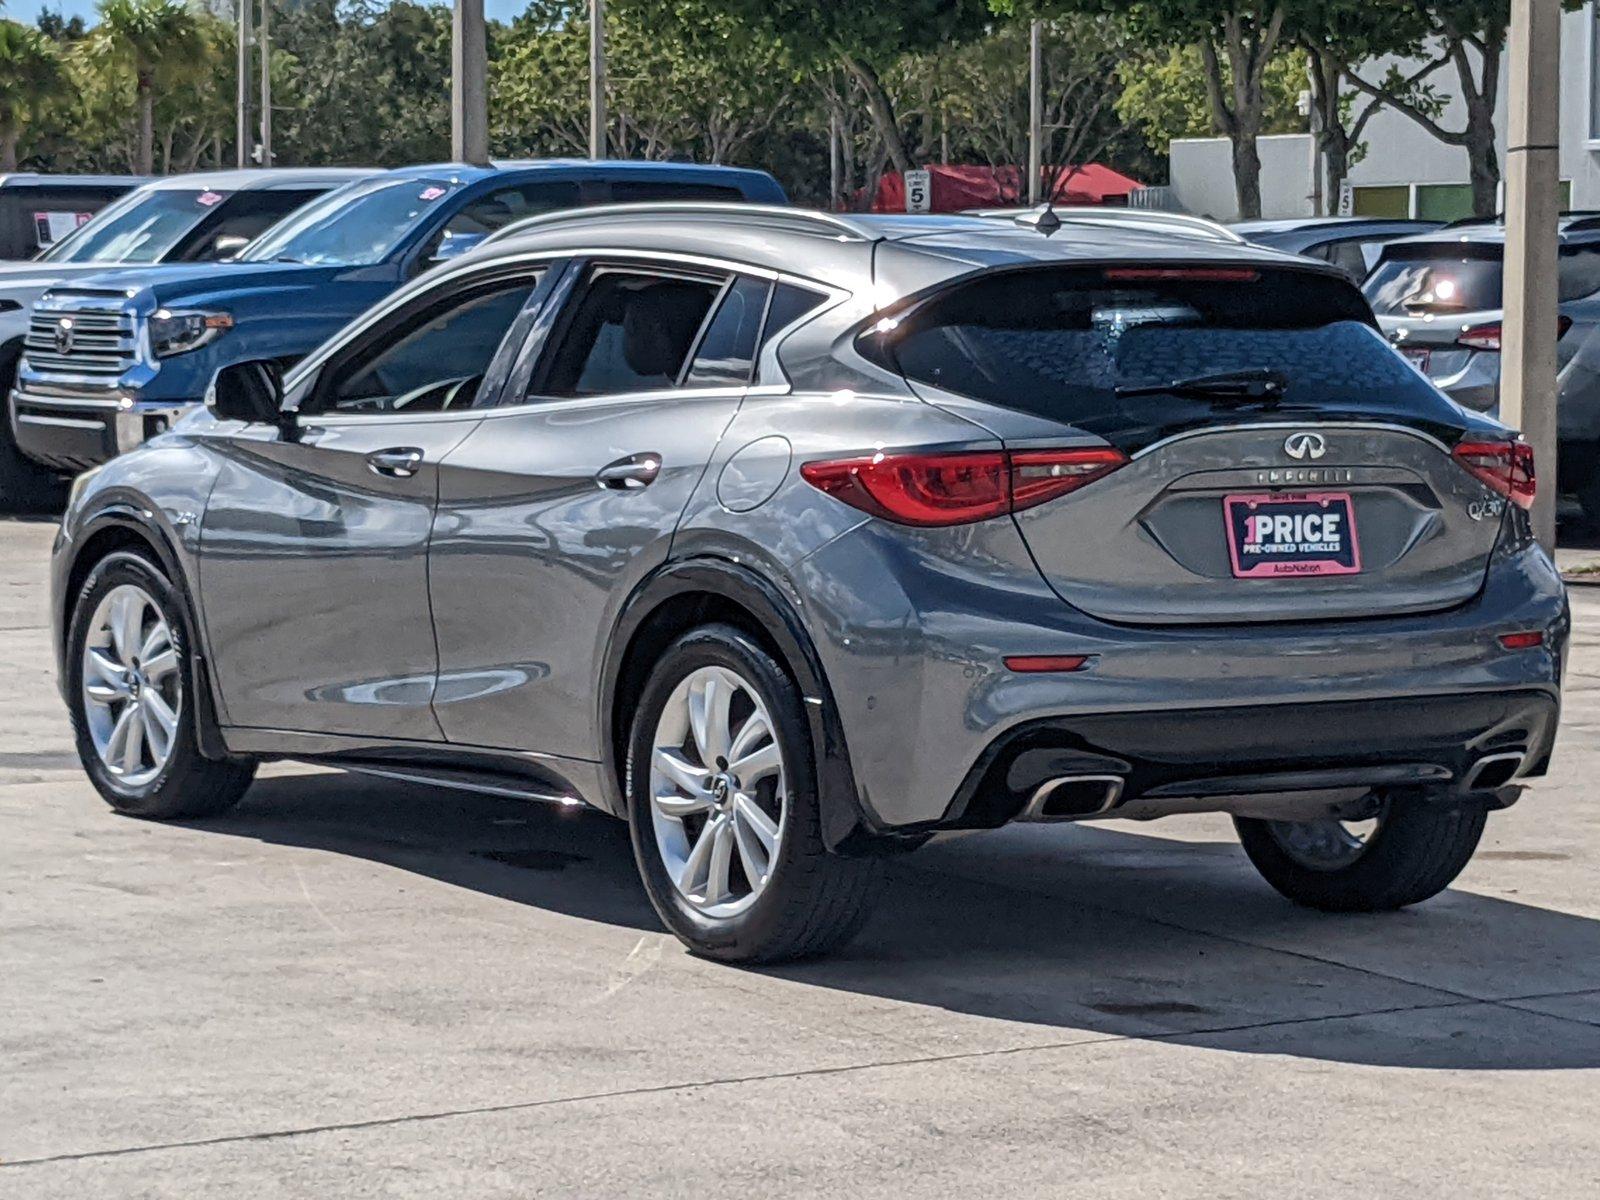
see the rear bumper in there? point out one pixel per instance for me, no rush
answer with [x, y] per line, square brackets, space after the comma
[72, 432]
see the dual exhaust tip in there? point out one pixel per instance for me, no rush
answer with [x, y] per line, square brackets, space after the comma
[1079, 797]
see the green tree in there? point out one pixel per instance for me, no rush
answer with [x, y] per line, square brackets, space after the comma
[158, 42]
[1164, 93]
[30, 79]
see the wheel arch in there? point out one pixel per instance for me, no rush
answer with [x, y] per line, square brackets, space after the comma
[687, 593]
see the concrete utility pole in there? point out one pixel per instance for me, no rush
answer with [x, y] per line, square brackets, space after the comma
[469, 84]
[266, 84]
[597, 78]
[1528, 333]
[242, 134]
[1035, 110]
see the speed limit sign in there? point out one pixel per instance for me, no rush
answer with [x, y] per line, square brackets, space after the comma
[919, 191]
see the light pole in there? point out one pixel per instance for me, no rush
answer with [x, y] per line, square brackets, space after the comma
[242, 134]
[469, 84]
[1035, 110]
[597, 78]
[1529, 332]
[266, 84]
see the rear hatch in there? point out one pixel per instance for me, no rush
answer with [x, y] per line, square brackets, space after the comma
[1308, 476]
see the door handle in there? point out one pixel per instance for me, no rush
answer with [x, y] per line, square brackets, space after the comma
[398, 462]
[629, 474]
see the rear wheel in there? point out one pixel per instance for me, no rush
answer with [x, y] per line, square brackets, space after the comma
[132, 715]
[1407, 852]
[25, 486]
[723, 806]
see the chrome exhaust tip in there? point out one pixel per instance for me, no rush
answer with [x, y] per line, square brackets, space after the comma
[1072, 798]
[1493, 771]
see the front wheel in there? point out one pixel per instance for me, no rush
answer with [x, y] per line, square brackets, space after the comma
[1405, 853]
[128, 691]
[722, 801]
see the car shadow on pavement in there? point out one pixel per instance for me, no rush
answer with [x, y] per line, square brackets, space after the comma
[1090, 931]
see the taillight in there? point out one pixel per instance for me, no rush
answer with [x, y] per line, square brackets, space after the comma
[956, 489]
[1487, 337]
[1507, 467]
[1181, 274]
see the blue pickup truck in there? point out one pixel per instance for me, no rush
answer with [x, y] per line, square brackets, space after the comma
[114, 359]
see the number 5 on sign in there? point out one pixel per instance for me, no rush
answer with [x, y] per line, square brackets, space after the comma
[919, 191]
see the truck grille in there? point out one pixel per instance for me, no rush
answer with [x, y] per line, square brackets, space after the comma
[101, 342]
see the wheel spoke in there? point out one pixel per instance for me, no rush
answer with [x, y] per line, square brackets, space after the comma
[680, 771]
[718, 888]
[160, 724]
[126, 741]
[752, 733]
[162, 664]
[672, 804]
[757, 837]
[159, 639]
[127, 620]
[757, 764]
[109, 682]
[708, 718]
[693, 878]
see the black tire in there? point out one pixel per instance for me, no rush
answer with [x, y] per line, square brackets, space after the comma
[189, 784]
[1415, 852]
[25, 486]
[813, 901]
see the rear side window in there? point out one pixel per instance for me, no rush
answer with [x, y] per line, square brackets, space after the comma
[241, 219]
[1065, 344]
[727, 352]
[625, 191]
[790, 302]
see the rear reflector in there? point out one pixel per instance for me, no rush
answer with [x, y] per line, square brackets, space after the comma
[1182, 274]
[957, 489]
[1487, 337]
[1507, 467]
[1038, 664]
[1522, 641]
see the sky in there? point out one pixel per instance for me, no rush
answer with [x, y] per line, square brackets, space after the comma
[27, 10]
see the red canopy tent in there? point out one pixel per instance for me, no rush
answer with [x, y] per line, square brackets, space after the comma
[959, 186]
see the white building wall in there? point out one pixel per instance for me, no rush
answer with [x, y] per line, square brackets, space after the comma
[1400, 152]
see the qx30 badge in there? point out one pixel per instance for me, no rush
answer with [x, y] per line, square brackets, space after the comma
[1305, 445]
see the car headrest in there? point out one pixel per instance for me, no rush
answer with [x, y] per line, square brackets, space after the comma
[658, 324]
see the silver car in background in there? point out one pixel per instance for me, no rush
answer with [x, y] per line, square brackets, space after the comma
[793, 539]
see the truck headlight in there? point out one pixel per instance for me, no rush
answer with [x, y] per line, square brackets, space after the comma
[179, 332]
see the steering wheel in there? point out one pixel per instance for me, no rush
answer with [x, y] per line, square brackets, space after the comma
[440, 395]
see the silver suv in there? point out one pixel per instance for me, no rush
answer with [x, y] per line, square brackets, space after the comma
[793, 539]
[1437, 297]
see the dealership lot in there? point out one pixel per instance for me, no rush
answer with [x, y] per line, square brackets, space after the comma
[353, 987]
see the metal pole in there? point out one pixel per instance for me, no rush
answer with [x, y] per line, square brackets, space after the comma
[835, 163]
[1035, 110]
[266, 84]
[1528, 333]
[242, 134]
[597, 78]
[469, 85]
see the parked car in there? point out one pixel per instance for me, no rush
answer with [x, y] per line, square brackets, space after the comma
[81, 401]
[1350, 243]
[201, 217]
[1438, 299]
[793, 538]
[36, 211]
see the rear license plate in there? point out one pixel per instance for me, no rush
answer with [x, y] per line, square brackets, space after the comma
[1418, 357]
[1292, 533]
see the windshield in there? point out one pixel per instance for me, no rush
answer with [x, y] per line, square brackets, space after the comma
[354, 226]
[142, 227]
[1113, 358]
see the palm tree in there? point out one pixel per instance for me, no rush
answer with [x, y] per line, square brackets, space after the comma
[155, 40]
[30, 76]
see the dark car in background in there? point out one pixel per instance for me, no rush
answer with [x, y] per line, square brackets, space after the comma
[1350, 243]
[153, 339]
[200, 217]
[1438, 298]
[37, 211]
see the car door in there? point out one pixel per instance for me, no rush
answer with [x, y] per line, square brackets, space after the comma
[314, 542]
[556, 505]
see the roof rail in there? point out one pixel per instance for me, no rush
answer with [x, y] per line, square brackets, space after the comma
[1155, 220]
[771, 216]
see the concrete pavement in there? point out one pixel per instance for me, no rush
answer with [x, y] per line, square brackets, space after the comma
[355, 988]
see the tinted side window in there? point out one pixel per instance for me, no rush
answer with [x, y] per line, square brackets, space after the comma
[624, 191]
[1580, 272]
[499, 208]
[434, 360]
[630, 332]
[244, 215]
[1350, 256]
[789, 304]
[727, 352]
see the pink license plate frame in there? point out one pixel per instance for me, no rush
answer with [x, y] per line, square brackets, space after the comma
[1260, 552]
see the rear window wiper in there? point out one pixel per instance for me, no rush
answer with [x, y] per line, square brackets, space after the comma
[1263, 386]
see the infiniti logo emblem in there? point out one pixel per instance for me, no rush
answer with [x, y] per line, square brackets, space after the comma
[1305, 445]
[63, 336]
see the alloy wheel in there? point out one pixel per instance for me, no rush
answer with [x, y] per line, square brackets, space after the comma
[718, 791]
[131, 685]
[1328, 845]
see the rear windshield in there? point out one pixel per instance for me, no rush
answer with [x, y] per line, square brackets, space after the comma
[1066, 344]
[1421, 280]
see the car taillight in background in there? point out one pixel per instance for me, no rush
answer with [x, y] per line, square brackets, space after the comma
[959, 488]
[1507, 467]
[1487, 337]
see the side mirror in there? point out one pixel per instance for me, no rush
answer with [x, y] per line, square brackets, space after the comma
[247, 391]
[226, 248]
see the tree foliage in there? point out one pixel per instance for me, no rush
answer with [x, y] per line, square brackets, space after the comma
[31, 80]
